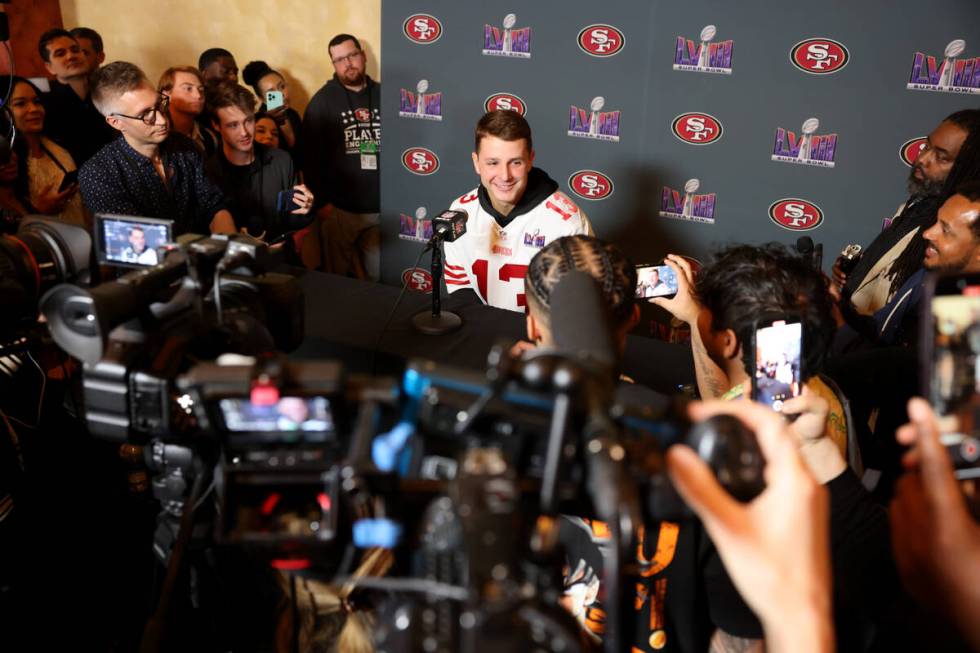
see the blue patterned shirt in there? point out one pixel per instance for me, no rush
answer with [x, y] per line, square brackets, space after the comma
[120, 180]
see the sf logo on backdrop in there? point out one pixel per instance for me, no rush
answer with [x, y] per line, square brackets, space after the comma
[951, 76]
[697, 128]
[507, 41]
[911, 149]
[795, 214]
[420, 161]
[422, 28]
[505, 102]
[688, 205]
[590, 185]
[819, 56]
[601, 40]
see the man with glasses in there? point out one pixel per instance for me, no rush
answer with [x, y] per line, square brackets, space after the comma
[342, 143]
[70, 117]
[150, 171]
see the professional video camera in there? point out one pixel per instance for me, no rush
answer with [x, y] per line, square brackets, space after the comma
[209, 295]
[42, 253]
[486, 466]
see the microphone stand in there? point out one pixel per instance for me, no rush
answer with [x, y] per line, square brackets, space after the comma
[437, 322]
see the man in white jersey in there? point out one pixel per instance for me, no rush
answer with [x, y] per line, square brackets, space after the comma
[516, 210]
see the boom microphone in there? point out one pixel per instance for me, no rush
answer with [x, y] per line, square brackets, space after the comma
[812, 253]
[579, 319]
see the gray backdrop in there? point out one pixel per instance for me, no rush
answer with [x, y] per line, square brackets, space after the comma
[866, 104]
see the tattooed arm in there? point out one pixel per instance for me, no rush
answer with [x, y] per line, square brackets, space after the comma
[712, 380]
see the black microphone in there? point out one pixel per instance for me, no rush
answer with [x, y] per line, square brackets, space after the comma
[447, 227]
[813, 254]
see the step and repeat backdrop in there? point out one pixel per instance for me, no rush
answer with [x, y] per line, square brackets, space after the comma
[676, 126]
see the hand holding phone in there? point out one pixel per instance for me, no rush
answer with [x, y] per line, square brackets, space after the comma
[273, 100]
[655, 281]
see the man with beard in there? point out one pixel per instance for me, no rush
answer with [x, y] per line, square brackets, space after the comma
[149, 171]
[896, 254]
[342, 142]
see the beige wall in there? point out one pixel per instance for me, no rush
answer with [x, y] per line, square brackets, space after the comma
[291, 35]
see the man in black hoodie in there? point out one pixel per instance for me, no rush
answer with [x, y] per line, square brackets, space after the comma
[342, 132]
[514, 212]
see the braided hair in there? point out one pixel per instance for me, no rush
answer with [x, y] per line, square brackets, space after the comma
[255, 71]
[965, 168]
[610, 268]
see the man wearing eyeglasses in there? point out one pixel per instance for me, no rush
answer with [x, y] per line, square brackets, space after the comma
[70, 117]
[342, 144]
[150, 171]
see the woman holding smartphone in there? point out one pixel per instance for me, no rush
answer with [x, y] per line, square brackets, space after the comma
[273, 92]
[46, 176]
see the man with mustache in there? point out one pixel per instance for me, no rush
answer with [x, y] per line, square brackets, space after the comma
[150, 171]
[70, 117]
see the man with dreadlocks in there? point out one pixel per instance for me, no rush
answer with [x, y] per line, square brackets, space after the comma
[684, 598]
[951, 156]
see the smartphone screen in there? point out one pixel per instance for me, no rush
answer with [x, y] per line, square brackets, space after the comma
[655, 281]
[778, 354]
[273, 100]
[955, 320]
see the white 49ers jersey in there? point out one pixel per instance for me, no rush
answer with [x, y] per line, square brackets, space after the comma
[492, 259]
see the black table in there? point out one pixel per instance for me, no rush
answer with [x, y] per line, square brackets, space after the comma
[344, 318]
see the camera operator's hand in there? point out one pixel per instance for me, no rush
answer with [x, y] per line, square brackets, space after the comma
[684, 306]
[819, 452]
[936, 541]
[52, 202]
[303, 198]
[776, 548]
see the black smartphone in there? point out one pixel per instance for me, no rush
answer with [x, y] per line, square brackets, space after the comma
[70, 178]
[778, 361]
[950, 363]
[655, 281]
[284, 201]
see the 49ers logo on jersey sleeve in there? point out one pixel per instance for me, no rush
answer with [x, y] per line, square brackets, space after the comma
[911, 149]
[590, 185]
[601, 40]
[505, 102]
[795, 214]
[420, 161]
[422, 28]
[562, 205]
[697, 128]
[819, 56]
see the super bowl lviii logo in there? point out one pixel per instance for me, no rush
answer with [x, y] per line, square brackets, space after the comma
[590, 184]
[416, 227]
[951, 76]
[697, 128]
[795, 214]
[809, 148]
[422, 29]
[594, 123]
[911, 149]
[601, 40]
[420, 161]
[819, 56]
[706, 57]
[688, 204]
[421, 105]
[507, 41]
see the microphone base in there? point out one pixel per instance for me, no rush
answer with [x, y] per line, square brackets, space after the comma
[437, 325]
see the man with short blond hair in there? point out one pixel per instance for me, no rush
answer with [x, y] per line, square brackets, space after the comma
[149, 171]
[185, 88]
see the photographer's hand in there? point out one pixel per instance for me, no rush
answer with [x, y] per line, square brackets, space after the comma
[303, 198]
[936, 541]
[684, 306]
[819, 452]
[776, 548]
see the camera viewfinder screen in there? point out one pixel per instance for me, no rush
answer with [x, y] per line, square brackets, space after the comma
[655, 281]
[131, 242]
[956, 350]
[309, 419]
[777, 363]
